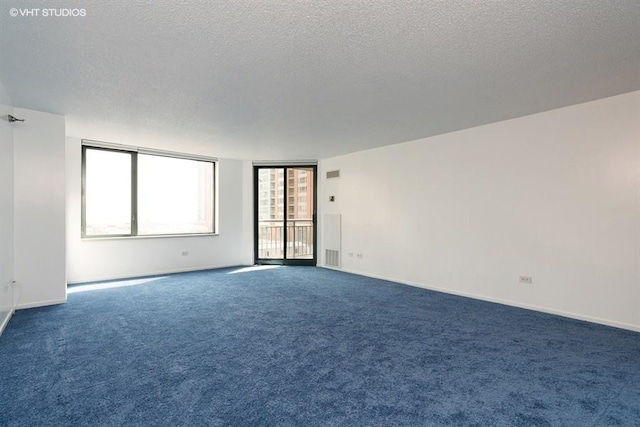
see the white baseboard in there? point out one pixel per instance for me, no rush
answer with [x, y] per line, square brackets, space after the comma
[5, 320]
[41, 303]
[152, 273]
[606, 322]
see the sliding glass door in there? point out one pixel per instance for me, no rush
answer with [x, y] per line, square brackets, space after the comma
[285, 215]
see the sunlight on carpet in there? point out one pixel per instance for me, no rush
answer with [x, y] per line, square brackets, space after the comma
[111, 285]
[254, 268]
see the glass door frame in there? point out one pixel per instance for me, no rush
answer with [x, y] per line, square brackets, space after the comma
[256, 217]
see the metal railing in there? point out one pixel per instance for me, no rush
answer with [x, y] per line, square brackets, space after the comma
[299, 239]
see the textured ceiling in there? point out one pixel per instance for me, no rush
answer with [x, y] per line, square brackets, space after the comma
[311, 79]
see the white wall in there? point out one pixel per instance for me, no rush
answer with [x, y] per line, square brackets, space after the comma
[6, 209]
[99, 259]
[247, 213]
[554, 196]
[39, 207]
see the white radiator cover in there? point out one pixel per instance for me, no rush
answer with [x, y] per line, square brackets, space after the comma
[331, 238]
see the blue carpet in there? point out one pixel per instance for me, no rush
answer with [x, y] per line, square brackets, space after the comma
[301, 346]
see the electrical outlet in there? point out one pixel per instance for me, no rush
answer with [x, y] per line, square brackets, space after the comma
[359, 255]
[185, 253]
[526, 279]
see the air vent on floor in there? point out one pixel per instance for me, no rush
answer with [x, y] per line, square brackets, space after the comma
[333, 174]
[332, 258]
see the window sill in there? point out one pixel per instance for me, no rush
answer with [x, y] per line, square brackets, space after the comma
[154, 236]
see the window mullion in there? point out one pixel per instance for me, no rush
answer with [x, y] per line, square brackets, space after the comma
[134, 194]
[83, 195]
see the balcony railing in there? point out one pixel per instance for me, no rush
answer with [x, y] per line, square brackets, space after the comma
[299, 239]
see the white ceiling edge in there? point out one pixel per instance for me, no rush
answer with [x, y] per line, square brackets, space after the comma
[118, 134]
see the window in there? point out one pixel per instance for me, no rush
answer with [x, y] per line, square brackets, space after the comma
[127, 192]
[107, 193]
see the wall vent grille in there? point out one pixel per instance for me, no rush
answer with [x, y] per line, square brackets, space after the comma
[333, 174]
[332, 258]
